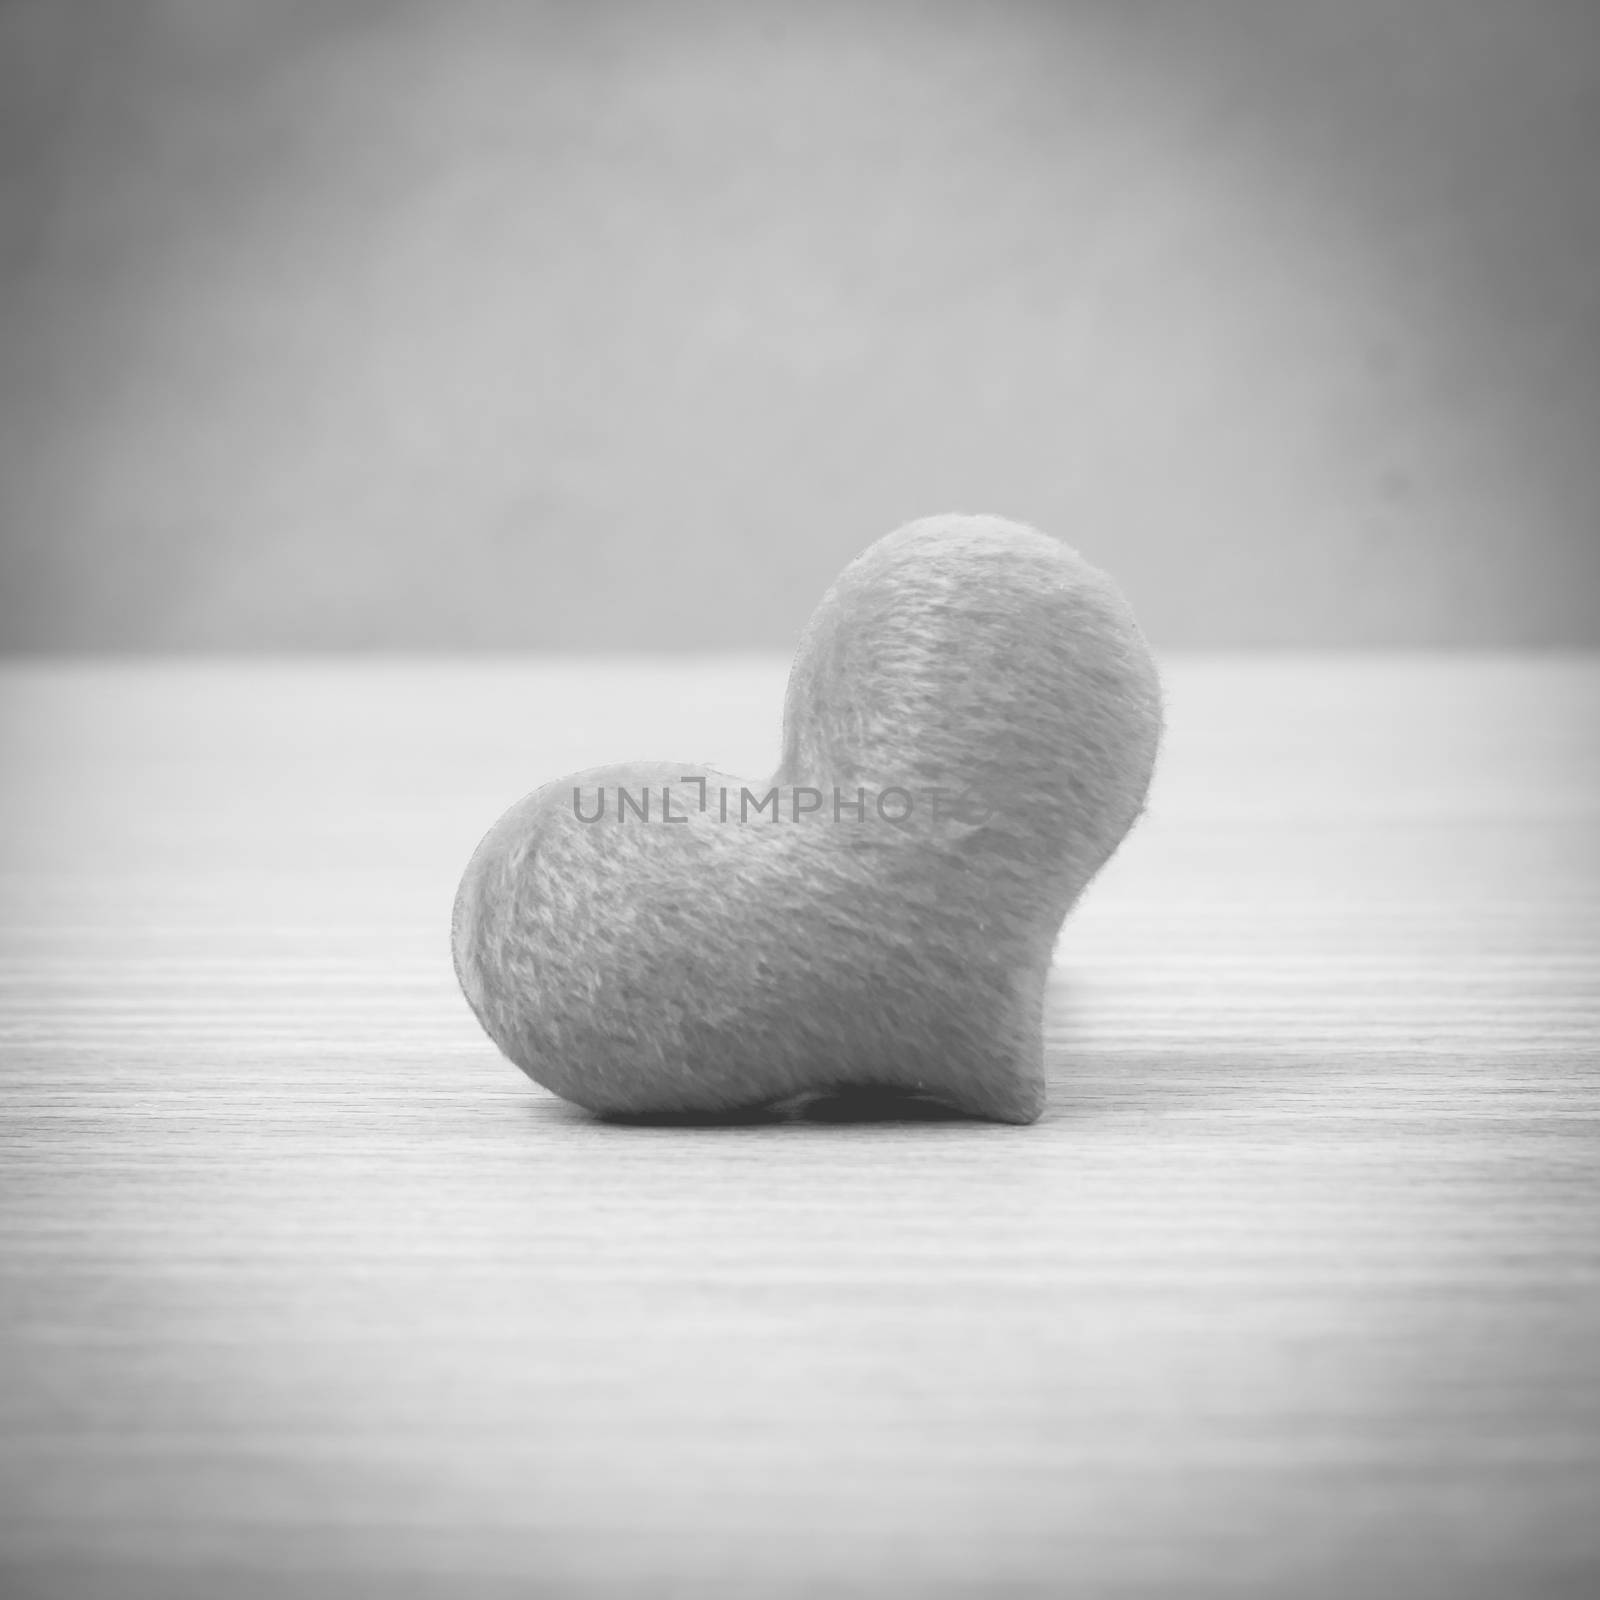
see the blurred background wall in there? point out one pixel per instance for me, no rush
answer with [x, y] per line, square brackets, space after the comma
[374, 324]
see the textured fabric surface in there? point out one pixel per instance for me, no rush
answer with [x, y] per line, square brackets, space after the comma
[969, 732]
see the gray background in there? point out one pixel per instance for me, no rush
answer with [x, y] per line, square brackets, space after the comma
[385, 325]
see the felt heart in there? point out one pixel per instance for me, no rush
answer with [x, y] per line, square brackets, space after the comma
[970, 728]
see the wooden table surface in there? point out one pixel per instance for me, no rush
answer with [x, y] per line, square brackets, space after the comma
[305, 1291]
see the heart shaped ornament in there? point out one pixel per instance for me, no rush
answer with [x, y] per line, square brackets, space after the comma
[970, 729]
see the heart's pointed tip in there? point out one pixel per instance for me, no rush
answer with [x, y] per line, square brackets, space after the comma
[1020, 1102]
[1025, 1116]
